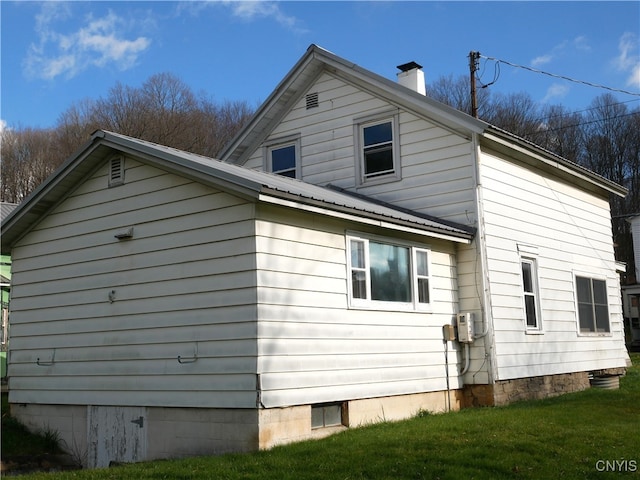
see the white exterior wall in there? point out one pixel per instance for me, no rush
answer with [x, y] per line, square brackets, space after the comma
[313, 348]
[184, 285]
[431, 155]
[571, 232]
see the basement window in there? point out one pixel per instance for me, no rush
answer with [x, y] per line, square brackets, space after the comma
[116, 171]
[326, 415]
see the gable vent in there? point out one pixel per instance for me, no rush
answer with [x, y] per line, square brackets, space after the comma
[312, 100]
[116, 171]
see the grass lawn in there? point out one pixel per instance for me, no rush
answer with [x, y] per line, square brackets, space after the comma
[574, 436]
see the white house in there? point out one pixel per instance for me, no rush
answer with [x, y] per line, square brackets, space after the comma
[166, 304]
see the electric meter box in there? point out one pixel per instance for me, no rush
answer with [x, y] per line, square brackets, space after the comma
[465, 327]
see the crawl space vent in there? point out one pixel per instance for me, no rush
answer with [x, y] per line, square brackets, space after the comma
[312, 100]
[116, 171]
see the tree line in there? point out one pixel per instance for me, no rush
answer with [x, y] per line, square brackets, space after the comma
[163, 110]
[605, 137]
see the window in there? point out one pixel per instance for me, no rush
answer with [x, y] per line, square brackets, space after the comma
[282, 157]
[327, 415]
[530, 287]
[283, 161]
[378, 146]
[593, 308]
[385, 274]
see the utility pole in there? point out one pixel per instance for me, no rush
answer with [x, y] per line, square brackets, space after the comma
[474, 58]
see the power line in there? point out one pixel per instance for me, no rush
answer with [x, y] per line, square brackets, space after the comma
[570, 113]
[534, 70]
[579, 124]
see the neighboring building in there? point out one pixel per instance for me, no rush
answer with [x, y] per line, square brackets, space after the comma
[631, 292]
[5, 291]
[166, 304]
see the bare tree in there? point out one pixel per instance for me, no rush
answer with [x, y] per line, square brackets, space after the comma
[559, 131]
[25, 161]
[163, 110]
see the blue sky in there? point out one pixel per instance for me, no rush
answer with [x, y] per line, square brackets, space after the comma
[57, 53]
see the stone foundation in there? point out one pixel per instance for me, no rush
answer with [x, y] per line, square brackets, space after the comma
[531, 388]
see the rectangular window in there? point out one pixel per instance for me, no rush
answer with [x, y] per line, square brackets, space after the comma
[422, 276]
[593, 307]
[530, 288]
[282, 160]
[378, 149]
[327, 415]
[383, 273]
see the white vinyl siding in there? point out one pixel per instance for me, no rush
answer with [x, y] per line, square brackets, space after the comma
[436, 165]
[312, 348]
[112, 317]
[571, 231]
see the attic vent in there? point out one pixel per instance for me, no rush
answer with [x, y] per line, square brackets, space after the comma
[116, 171]
[312, 100]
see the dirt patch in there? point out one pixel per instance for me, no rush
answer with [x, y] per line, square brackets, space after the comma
[46, 462]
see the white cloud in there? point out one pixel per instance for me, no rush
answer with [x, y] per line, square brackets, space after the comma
[3, 126]
[99, 42]
[581, 43]
[248, 10]
[541, 60]
[628, 59]
[555, 92]
[563, 48]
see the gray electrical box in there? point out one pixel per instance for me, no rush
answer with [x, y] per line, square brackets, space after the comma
[465, 327]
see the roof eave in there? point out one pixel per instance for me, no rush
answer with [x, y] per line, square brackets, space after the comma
[363, 217]
[557, 163]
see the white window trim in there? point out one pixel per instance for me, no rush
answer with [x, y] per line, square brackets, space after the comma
[282, 142]
[367, 304]
[533, 261]
[591, 276]
[359, 125]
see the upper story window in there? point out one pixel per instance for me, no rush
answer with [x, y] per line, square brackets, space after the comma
[388, 275]
[530, 293]
[378, 149]
[283, 157]
[593, 306]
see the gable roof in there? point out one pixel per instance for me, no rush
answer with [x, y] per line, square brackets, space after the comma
[317, 60]
[313, 63]
[250, 184]
[6, 208]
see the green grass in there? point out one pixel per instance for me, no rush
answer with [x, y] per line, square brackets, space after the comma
[17, 440]
[561, 437]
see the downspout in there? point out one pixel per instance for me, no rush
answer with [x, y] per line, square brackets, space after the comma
[485, 295]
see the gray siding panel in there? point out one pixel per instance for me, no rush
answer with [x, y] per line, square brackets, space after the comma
[106, 319]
